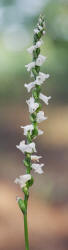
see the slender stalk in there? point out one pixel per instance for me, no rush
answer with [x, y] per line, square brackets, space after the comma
[26, 227]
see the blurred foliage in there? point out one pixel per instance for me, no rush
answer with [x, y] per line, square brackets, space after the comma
[13, 59]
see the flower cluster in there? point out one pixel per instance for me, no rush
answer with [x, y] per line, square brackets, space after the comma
[31, 131]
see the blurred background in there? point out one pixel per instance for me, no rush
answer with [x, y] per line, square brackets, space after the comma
[48, 203]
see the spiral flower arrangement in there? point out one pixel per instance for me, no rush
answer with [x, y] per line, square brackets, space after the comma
[31, 131]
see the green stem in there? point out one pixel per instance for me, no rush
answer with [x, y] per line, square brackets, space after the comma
[26, 228]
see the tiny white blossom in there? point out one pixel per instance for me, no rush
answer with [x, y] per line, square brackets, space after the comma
[29, 148]
[22, 180]
[40, 60]
[37, 45]
[44, 98]
[40, 27]
[30, 66]
[41, 78]
[29, 86]
[35, 158]
[40, 116]
[27, 128]
[30, 50]
[40, 132]
[36, 31]
[37, 168]
[32, 105]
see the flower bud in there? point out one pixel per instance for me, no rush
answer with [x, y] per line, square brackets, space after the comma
[21, 205]
[25, 190]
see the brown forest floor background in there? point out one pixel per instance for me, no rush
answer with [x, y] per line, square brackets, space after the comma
[48, 203]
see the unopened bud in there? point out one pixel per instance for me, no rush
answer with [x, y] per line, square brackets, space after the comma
[21, 204]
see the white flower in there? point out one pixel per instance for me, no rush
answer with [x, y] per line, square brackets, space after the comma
[32, 105]
[40, 60]
[36, 31]
[40, 27]
[29, 148]
[35, 158]
[30, 128]
[41, 78]
[44, 98]
[29, 86]
[41, 117]
[27, 128]
[40, 132]
[37, 45]
[30, 50]
[30, 66]
[22, 180]
[37, 168]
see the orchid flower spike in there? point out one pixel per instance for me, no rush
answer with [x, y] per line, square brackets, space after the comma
[36, 115]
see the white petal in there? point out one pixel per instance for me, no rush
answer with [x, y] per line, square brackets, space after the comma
[32, 105]
[29, 148]
[40, 60]
[40, 132]
[30, 50]
[27, 128]
[40, 116]
[22, 180]
[44, 98]
[34, 47]
[37, 168]
[30, 66]
[36, 31]
[41, 78]
[40, 27]
[38, 44]
[25, 177]
[16, 181]
[35, 158]
[29, 86]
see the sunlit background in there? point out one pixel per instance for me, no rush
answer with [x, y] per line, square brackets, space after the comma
[48, 203]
